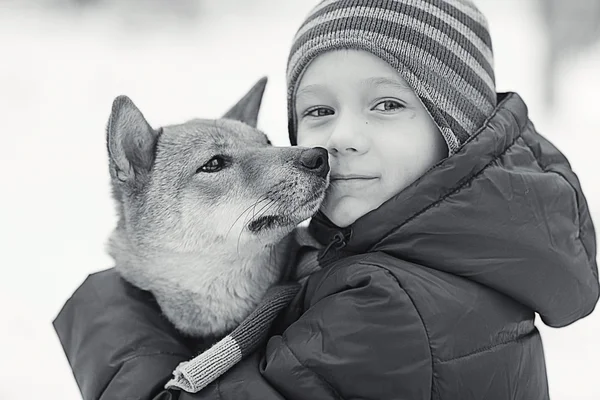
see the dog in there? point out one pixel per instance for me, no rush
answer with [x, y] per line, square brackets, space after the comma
[206, 210]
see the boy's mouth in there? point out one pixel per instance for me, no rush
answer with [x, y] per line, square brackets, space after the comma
[351, 177]
[352, 181]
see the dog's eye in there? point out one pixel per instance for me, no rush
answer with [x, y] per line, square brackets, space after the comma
[215, 164]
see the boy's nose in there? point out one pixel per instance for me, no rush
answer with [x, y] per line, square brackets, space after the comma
[348, 137]
[315, 160]
[342, 150]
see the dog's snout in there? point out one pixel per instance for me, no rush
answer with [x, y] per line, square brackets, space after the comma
[315, 160]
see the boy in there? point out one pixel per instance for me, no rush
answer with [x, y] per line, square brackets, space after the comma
[449, 222]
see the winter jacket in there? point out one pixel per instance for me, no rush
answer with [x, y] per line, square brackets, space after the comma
[431, 296]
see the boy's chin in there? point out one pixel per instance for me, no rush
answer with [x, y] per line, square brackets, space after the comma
[345, 211]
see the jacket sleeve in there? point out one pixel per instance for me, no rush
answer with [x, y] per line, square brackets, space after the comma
[360, 337]
[117, 342]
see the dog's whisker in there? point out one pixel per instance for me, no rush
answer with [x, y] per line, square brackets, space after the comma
[245, 221]
[271, 202]
[267, 196]
[264, 209]
[254, 208]
[245, 211]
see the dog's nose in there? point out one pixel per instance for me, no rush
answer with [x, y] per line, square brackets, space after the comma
[316, 161]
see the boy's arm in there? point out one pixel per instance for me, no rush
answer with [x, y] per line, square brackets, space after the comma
[360, 338]
[116, 340]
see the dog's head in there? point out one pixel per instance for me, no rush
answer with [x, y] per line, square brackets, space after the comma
[209, 184]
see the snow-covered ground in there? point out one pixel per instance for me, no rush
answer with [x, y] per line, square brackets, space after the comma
[59, 73]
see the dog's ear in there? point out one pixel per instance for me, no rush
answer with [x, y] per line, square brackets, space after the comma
[131, 140]
[246, 110]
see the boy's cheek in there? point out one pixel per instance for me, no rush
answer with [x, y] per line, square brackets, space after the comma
[310, 138]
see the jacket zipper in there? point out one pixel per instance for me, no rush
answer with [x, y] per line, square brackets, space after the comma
[337, 243]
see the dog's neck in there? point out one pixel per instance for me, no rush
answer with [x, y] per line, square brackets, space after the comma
[204, 293]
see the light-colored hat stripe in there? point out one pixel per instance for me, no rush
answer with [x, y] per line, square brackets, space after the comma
[319, 7]
[468, 8]
[405, 20]
[485, 50]
[450, 139]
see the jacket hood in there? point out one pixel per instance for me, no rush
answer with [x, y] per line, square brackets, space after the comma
[506, 211]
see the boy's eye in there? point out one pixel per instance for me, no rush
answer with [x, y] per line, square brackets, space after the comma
[388, 105]
[319, 112]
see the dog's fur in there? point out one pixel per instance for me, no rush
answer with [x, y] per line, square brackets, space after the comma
[207, 244]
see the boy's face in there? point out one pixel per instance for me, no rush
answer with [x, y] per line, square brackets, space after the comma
[379, 136]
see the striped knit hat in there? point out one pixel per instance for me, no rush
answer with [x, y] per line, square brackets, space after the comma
[442, 48]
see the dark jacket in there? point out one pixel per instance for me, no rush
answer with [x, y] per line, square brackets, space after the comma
[431, 296]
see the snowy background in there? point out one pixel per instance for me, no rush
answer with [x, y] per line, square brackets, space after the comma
[60, 68]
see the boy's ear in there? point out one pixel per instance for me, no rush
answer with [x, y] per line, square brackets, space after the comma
[246, 110]
[131, 141]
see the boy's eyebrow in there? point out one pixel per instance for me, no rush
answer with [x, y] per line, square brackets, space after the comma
[384, 81]
[374, 81]
[309, 89]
